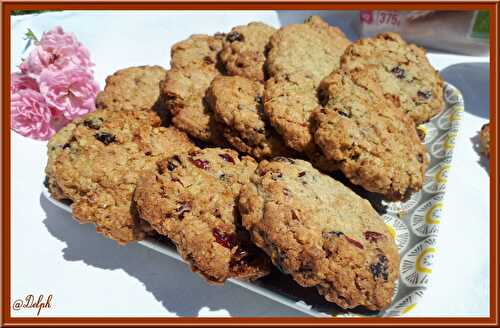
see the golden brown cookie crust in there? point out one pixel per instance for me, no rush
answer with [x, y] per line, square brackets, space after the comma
[321, 233]
[199, 50]
[375, 145]
[299, 57]
[191, 198]
[312, 49]
[404, 72]
[244, 49]
[183, 92]
[96, 160]
[237, 104]
[194, 65]
[132, 88]
[289, 101]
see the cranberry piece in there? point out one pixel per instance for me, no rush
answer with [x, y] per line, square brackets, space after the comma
[226, 240]
[105, 137]
[301, 174]
[185, 207]
[194, 152]
[200, 163]
[234, 36]
[373, 236]
[354, 242]
[398, 72]
[208, 60]
[227, 158]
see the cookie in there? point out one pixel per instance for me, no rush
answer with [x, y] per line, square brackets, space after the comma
[133, 88]
[312, 49]
[404, 72]
[183, 92]
[484, 139]
[321, 233]
[289, 101]
[237, 103]
[243, 52]
[191, 198]
[374, 144]
[199, 50]
[299, 57]
[185, 85]
[95, 162]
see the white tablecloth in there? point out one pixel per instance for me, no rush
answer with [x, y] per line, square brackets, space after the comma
[89, 275]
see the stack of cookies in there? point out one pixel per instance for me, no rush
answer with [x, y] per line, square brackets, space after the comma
[230, 155]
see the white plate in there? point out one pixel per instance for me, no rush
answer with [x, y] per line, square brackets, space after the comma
[414, 224]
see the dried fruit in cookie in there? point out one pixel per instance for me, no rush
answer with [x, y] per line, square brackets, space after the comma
[318, 233]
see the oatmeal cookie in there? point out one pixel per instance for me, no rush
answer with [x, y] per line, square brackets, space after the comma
[404, 72]
[243, 53]
[133, 88]
[375, 144]
[484, 139]
[289, 101]
[321, 233]
[194, 66]
[312, 49]
[95, 162]
[184, 91]
[199, 50]
[191, 198]
[237, 103]
[299, 57]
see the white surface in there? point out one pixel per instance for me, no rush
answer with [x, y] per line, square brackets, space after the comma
[89, 275]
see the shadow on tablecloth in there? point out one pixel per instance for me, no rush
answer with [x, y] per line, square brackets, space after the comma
[170, 281]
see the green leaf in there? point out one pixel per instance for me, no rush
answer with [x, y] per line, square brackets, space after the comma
[29, 35]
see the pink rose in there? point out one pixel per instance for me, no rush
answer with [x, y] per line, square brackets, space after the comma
[30, 115]
[56, 50]
[19, 81]
[71, 92]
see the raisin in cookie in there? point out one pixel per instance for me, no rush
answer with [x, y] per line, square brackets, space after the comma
[375, 144]
[321, 233]
[484, 139]
[406, 76]
[313, 49]
[198, 50]
[243, 53]
[191, 198]
[237, 103]
[96, 160]
[133, 88]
